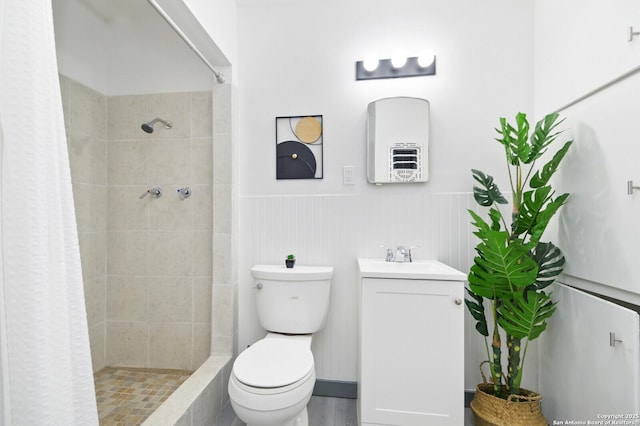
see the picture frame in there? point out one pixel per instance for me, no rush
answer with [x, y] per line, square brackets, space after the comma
[299, 147]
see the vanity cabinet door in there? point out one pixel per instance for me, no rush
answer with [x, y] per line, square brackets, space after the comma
[411, 353]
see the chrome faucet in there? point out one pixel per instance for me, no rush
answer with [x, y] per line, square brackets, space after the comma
[389, 255]
[402, 255]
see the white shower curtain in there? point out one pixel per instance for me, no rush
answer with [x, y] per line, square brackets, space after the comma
[45, 363]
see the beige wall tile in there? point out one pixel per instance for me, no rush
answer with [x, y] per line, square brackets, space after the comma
[202, 252]
[126, 115]
[93, 254]
[91, 207]
[128, 163]
[169, 161]
[221, 258]
[88, 111]
[127, 298]
[222, 160]
[202, 201]
[88, 158]
[202, 160]
[201, 115]
[97, 335]
[222, 108]
[170, 299]
[128, 253]
[222, 208]
[95, 300]
[170, 345]
[170, 213]
[222, 345]
[222, 313]
[127, 212]
[127, 344]
[202, 288]
[64, 93]
[170, 253]
[201, 344]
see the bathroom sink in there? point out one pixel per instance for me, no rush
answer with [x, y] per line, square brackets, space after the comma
[416, 270]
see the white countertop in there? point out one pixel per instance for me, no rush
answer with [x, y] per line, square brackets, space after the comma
[416, 270]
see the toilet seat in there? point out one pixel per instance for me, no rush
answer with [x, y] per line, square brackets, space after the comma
[274, 363]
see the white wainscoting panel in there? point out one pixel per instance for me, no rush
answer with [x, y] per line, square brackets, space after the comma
[335, 230]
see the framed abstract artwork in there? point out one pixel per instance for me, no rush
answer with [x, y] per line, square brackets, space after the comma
[299, 147]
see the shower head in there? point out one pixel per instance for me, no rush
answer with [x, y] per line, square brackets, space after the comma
[148, 127]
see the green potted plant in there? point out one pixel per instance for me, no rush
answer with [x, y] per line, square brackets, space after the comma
[512, 268]
[290, 261]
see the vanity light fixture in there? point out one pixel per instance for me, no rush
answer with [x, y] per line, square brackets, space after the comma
[414, 66]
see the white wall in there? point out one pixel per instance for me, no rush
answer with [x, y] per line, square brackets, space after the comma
[163, 63]
[297, 58]
[125, 55]
[80, 34]
[219, 19]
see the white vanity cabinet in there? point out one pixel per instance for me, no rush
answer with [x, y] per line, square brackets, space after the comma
[411, 349]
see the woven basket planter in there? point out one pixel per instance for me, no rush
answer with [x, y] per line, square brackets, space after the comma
[517, 410]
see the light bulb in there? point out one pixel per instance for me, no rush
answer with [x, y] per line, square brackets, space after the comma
[398, 60]
[426, 58]
[370, 63]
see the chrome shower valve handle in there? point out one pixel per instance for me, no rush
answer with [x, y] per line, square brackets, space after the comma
[156, 192]
[184, 192]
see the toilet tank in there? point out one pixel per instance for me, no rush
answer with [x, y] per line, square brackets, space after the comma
[292, 300]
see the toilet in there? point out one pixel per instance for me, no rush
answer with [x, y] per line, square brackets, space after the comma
[272, 380]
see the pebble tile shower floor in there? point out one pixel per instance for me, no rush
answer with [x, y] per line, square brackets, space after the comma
[127, 396]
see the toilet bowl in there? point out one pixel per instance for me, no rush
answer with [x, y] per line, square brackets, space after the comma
[272, 380]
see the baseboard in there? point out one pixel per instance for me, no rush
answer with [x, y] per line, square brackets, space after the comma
[342, 389]
[468, 397]
[336, 389]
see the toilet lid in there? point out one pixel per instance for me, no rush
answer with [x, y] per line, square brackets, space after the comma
[273, 363]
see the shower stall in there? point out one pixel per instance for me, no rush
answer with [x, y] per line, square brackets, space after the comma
[157, 280]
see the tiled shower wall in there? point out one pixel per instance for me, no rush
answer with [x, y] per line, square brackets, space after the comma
[147, 263]
[85, 115]
[159, 267]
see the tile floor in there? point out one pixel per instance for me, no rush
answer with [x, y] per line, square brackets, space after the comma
[127, 396]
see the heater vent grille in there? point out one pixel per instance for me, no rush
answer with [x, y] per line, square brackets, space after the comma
[405, 161]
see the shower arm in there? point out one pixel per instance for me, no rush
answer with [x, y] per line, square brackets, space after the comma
[167, 124]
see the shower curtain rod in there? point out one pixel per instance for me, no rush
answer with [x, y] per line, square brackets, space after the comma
[219, 76]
